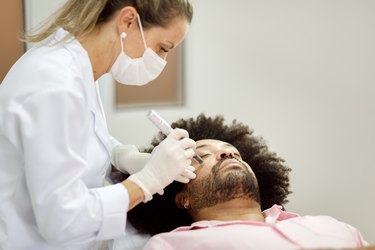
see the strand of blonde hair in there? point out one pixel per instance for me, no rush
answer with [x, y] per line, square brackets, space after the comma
[76, 16]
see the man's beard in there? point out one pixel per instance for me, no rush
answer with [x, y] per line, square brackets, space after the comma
[221, 186]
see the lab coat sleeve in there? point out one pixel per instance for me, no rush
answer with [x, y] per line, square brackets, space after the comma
[114, 143]
[50, 129]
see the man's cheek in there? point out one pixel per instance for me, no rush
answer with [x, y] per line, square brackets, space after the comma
[201, 171]
[195, 164]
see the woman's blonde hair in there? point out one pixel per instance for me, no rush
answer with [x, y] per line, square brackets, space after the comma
[82, 17]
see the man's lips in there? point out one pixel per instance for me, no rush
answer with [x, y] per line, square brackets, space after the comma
[231, 163]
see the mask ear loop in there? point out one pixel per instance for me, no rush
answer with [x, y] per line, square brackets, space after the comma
[141, 29]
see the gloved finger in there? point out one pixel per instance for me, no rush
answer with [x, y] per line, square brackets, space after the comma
[188, 174]
[191, 168]
[182, 179]
[187, 143]
[189, 153]
[178, 133]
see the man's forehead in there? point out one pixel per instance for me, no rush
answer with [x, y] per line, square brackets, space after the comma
[212, 143]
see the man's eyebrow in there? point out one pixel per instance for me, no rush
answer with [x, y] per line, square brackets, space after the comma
[207, 145]
[202, 146]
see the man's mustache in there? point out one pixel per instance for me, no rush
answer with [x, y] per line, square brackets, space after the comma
[217, 166]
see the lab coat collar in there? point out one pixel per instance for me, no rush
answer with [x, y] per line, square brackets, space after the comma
[62, 34]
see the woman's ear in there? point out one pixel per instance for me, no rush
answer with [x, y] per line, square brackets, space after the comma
[126, 18]
[182, 200]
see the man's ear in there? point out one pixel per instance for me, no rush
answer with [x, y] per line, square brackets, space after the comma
[182, 200]
[126, 18]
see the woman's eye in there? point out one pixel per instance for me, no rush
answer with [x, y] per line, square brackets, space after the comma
[164, 50]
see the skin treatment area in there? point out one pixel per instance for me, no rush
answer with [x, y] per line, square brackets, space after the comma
[296, 77]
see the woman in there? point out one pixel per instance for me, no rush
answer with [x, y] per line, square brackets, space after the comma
[55, 149]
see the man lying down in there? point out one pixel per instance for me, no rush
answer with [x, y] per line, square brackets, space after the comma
[236, 200]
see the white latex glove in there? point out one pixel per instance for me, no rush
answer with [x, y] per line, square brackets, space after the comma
[169, 160]
[128, 159]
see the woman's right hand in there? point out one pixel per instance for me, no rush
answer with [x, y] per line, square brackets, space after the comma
[169, 160]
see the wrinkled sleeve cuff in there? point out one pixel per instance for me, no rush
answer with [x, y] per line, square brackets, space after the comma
[115, 203]
[114, 143]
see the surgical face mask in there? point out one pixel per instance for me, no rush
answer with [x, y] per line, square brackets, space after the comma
[137, 71]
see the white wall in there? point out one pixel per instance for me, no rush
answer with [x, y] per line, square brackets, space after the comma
[301, 73]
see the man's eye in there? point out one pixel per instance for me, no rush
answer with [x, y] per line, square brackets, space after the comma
[238, 156]
[204, 155]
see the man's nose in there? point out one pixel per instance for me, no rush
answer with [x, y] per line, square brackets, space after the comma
[225, 154]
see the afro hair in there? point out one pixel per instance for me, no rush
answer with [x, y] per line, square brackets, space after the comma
[161, 214]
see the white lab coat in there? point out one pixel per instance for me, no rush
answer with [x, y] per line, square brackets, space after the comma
[55, 153]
